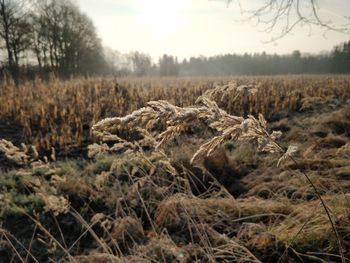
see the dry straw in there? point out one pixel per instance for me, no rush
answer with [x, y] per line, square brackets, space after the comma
[177, 120]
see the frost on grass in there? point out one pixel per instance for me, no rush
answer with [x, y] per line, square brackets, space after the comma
[177, 120]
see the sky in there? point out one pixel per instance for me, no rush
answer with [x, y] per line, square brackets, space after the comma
[186, 28]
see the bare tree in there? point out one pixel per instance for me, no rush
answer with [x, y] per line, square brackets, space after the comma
[14, 30]
[141, 63]
[65, 39]
[284, 15]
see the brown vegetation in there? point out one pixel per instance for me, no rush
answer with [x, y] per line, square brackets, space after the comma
[137, 197]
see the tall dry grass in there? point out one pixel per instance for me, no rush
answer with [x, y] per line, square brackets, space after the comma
[60, 114]
[133, 203]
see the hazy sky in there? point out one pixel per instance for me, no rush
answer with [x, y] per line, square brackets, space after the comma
[201, 27]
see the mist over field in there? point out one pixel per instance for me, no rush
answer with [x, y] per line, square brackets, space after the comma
[174, 131]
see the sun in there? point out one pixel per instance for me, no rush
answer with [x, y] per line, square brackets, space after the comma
[162, 17]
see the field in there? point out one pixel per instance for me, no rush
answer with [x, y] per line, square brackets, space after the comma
[235, 169]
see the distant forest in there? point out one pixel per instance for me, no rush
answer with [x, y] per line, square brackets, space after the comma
[55, 38]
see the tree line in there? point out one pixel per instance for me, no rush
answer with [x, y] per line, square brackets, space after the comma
[335, 61]
[44, 37]
[48, 36]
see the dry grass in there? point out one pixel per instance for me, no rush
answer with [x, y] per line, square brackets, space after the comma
[60, 114]
[137, 198]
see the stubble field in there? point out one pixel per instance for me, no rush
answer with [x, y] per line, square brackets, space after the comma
[236, 169]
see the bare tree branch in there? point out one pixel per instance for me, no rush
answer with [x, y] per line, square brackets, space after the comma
[280, 17]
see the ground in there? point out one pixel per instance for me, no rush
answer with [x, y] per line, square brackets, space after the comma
[125, 201]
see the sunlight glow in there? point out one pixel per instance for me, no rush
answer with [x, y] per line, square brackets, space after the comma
[162, 17]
